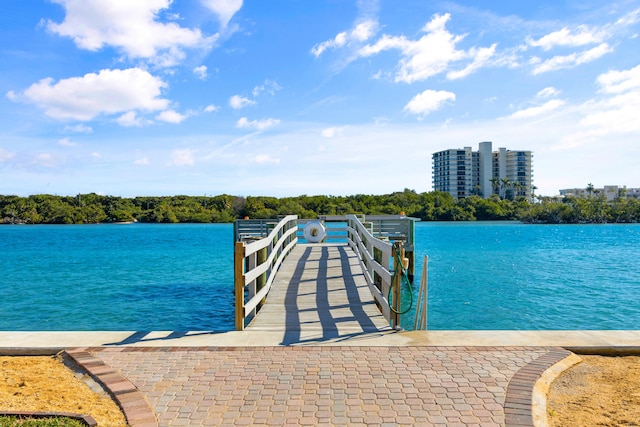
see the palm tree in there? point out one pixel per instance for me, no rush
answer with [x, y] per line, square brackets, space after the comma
[517, 187]
[495, 184]
[590, 189]
[504, 184]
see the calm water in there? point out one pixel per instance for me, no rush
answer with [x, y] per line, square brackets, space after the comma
[180, 277]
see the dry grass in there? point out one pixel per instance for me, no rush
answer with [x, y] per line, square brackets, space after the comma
[45, 384]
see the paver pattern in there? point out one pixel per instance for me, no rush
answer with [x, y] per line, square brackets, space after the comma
[323, 385]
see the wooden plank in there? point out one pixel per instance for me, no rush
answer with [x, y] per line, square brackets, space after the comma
[320, 291]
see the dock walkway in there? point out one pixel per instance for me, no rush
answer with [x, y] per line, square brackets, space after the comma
[320, 293]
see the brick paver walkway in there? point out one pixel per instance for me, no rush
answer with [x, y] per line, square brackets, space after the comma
[437, 386]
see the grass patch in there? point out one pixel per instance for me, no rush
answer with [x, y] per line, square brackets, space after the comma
[21, 421]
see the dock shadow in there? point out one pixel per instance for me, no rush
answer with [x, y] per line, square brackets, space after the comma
[139, 337]
[329, 322]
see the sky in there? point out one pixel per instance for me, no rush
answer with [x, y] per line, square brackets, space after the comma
[293, 97]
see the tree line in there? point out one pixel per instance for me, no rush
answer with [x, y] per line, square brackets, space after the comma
[432, 206]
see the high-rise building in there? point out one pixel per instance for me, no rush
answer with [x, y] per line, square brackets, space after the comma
[463, 172]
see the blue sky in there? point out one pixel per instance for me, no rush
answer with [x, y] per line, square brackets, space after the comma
[292, 97]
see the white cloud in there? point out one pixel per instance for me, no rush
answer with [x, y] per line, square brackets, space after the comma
[108, 92]
[141, 161]
[238, 102]
[46, 160]
[171, 116]
[66, 142]
[481, 57]
[224, 9]
[183, 157]
[611, 115]
[331, 132]
[431, 54]
[582, 35]
[256, 124]
[200, 72]
[79, 129]
[269, 86]
[428, 102]
[364, 30]
[531, 112]
[5, 155]
[129, 26]
[263, 159]
[211, 108]
[618, 114]
[338, 41]
[573, 60]
[548, 92]
[360, 33]
[620, 81]
[130, 119]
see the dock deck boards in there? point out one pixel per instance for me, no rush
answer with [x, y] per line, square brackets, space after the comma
[319, 293]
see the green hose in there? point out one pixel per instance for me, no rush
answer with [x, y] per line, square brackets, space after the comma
[405, 278]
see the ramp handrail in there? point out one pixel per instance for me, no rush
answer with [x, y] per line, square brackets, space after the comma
[256, 264]
[374, 255]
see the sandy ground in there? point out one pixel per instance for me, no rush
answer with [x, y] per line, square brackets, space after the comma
[45, 384]
[599, 391]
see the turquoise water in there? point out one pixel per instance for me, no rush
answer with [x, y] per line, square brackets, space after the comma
[117, 277]
[516, 276]
[180, 277]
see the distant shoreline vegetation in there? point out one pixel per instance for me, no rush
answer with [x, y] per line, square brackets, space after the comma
[433, 206]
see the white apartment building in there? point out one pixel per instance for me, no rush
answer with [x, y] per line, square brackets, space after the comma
[464, 172]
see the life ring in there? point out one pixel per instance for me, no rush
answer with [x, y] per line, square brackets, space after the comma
[314, 232]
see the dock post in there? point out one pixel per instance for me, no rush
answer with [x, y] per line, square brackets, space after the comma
[395, 286]
[238, 261]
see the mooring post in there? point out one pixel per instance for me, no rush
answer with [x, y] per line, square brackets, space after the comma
[397, 282]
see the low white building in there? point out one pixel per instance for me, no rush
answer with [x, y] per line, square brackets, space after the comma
[610, 192]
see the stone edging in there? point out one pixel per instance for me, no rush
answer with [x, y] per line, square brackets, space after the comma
[519, 398]
[132, 403]
[541, 389]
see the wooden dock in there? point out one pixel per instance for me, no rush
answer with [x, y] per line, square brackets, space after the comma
[318, 290]
[319, 293]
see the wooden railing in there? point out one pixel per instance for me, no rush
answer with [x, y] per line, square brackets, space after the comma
[256, 261]
[375, 258]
